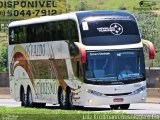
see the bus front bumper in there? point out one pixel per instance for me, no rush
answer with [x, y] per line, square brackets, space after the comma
[94, 100]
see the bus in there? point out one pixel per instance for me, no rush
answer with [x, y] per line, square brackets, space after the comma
[84, 58]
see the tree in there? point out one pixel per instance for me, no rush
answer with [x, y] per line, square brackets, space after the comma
[3, 57]
[149, 24]
[81, 6]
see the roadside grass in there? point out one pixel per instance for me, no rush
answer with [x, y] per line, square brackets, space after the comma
[21, 113]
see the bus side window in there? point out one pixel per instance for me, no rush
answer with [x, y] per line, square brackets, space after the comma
[73, 31]
[22, 35]
[11, 36]
[72, 37]
[54, 32]
[16, 37]
[29, 33]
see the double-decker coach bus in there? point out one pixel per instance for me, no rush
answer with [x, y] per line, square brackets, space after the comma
[87, 58]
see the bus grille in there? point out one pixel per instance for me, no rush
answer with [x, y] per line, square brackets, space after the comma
[119, 94]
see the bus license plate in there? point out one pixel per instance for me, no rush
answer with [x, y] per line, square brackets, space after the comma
[118, 100]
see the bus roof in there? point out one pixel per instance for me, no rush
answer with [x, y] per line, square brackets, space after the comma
[81, 15]
[42, 19]
[107, 14]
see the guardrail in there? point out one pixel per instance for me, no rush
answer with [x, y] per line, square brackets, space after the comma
[4, 80]
[4, 90]
[153, 92]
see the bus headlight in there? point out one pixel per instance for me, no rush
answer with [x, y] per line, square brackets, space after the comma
[139, 90]
[94, 92]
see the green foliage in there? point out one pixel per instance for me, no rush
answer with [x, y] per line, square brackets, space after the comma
[3, 56]
[104, 4]
[109, 4]
[81, 6]
[149, 24]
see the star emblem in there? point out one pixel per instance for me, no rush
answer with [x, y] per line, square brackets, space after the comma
[118, 29]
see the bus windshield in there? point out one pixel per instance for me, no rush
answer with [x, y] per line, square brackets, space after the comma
[109, 32]
[122, 65]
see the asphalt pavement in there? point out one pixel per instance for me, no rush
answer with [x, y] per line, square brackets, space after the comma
[138, 108]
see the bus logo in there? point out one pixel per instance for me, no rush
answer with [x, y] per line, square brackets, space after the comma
[114, 28]
[118, 29]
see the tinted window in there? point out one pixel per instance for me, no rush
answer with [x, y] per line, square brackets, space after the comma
[51, 31]
[13, 35]
[109, 32]
[121, 65]
[73, 31]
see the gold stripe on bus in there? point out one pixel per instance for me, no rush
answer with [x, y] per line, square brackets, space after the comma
[19, 54]
[58, 76]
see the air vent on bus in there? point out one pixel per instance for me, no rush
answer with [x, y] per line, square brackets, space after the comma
[118, 94]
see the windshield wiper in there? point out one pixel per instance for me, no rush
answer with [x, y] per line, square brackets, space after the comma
[109, 75]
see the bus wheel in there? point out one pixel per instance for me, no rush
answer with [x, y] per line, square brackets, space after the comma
[69, 103]
[114, 107]
[23, 100]
[124, 106]
[39, 105]
[61, 98]
[29, 98]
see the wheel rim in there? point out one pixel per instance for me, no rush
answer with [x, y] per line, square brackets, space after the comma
[62, 98]
[23, 98]
[70, 99]
[30, 98]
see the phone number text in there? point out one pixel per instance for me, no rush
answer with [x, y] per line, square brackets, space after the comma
[26, 13]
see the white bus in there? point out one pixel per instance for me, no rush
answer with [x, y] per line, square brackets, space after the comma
[88, 58]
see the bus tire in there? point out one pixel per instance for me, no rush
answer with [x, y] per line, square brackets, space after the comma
[22, 97]
[79, 107]
[61, 98]
[124, 106]
[114, 107]
[29, 98]
[69, 103]
[39, 105]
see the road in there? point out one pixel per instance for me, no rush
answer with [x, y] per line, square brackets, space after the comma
[139, 108]
[9, 103]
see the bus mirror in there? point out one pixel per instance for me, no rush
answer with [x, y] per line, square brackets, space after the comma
[150, 47]
[73, 49]
[82, 52]
[83, 55]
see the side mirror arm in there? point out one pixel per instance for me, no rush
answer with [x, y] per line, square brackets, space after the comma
[150, 48]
